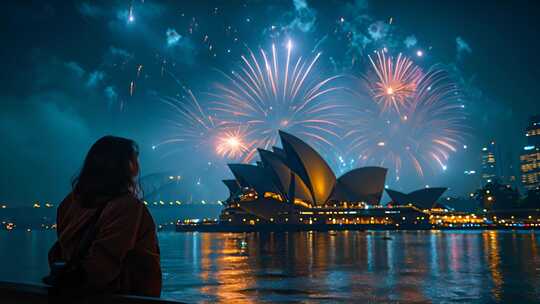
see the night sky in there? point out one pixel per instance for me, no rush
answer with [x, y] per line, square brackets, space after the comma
[68, 69]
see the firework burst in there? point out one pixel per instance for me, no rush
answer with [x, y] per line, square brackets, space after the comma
[424, 133]
[392, 81]
[271, 92]
[232, 144]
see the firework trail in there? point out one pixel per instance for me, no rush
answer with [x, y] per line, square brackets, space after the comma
[193, 125]
[131, 15]
[271, 92]
[392, 82]
[194, 128]
[428, 128]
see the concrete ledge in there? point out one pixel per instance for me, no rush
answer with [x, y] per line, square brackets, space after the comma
[24, 293]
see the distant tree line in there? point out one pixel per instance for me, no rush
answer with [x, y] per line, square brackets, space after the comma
[497, 196]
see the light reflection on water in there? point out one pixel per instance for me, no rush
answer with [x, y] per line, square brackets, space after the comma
[307, 267]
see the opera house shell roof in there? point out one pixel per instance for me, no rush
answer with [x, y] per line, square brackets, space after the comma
[297, 176]
[422, 198]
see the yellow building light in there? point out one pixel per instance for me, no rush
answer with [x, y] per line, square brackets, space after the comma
[301, 203]
[272, 195]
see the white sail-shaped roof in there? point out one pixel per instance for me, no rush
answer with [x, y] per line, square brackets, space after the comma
[422, 198]
[364, 184]
[310, 167]
[290, 184]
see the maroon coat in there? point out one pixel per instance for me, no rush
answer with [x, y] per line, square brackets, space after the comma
[124, 257]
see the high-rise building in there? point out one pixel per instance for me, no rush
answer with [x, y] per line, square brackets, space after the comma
[489, 163]
[530, 156]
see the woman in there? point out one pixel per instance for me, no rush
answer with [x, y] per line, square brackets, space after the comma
[123, 254]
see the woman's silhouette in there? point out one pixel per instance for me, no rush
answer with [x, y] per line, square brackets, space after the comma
[123, 253]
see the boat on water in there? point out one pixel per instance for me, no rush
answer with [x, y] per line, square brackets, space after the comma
[24, 293]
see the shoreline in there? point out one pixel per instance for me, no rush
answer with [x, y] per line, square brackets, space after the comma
[332, 227]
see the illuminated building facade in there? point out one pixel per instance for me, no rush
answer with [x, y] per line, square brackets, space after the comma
[530, 157]
[489, 163]
[294, 185]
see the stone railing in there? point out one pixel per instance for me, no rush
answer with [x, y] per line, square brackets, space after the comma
[23, 293]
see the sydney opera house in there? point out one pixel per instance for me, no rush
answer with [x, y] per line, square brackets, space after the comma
[293, 185]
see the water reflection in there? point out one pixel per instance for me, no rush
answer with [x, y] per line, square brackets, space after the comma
[423, 266]
[313, 267]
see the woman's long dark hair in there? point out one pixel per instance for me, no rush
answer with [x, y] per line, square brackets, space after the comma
[106, 171]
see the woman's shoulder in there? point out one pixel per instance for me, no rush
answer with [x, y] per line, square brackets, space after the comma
[125, 203]
[67, 203]
[126, 206]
